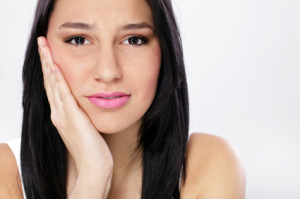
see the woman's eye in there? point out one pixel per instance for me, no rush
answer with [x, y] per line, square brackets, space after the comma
[78, 40]
[136, 41]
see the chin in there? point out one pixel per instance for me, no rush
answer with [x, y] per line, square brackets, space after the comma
[115, 128]
[109, 129]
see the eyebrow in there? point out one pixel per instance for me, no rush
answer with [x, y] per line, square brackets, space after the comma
[86, 26]
[137, 26]
[77, 25]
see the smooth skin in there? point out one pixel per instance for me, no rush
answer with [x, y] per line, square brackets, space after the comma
[111, 56]
[214, 171]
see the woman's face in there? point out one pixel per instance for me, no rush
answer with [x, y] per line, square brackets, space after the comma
[110, 57]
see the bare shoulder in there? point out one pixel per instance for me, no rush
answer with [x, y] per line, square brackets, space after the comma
[10, 181]
[213, 169]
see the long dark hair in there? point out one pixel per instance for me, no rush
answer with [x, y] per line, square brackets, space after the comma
[163, 134]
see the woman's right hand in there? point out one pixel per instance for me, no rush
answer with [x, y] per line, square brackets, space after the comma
[91, 155]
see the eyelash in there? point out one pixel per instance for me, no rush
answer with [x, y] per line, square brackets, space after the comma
[71, 39]
[141, 40]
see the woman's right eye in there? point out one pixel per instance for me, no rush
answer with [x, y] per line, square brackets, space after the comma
[77, 41]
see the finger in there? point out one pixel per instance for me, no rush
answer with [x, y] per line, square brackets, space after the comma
[49, 82]
[42, 57]
[48, 79]
[43, 65]
[45, 55]
[61, 91]
[46, 73]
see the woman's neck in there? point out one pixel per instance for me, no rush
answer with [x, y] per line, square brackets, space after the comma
[123, 147]
[127, 173]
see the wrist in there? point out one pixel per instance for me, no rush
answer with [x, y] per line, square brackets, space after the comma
[92, 185]
[94, 174]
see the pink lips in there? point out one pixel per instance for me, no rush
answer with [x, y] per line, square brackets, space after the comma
[109, 100]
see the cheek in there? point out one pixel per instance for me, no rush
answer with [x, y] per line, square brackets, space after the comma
[149, 83]
[72, 66]
[144, 74]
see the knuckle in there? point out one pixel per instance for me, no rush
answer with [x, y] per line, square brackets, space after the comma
[56, 120]
[59, 120]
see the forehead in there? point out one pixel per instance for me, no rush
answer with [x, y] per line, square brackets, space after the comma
[102, 13]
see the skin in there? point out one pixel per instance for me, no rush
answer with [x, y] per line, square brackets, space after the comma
[113, 57]
[214, 171]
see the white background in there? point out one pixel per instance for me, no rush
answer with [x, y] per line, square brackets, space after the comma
[243, 68]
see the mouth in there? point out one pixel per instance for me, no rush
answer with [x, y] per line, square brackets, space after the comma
[109, 100]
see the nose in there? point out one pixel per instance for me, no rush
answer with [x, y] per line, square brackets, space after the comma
[106, 68]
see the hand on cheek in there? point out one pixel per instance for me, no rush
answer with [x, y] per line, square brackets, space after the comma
[81, 138]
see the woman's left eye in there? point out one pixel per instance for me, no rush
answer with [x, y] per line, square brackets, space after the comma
[77, 41]
[135, 41]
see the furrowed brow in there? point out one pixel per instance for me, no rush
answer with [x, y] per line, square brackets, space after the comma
[77, 25]
[137, 26]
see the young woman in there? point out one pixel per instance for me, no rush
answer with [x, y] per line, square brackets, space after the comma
[106, 110]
